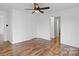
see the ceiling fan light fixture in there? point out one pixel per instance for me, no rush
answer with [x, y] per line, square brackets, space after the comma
[36, 11]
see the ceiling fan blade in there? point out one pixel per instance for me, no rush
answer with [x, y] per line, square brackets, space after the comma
[33, 12]
[28, 9]
[41, 11]
[44, 8]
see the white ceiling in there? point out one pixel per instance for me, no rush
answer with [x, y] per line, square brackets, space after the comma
[53, 6]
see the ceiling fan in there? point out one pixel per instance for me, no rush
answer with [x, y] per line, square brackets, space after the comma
[37, 8]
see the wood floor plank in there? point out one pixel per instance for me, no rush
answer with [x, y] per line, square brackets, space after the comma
[35, 47]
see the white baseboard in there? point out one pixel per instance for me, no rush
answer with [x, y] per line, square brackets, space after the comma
[77, 46]
[14, 42]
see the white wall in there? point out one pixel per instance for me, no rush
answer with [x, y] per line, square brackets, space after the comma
[27, 26]
[2, 24]
[8, 29]
[3, 21]
[23, 26]
[69, 26]
[43, 27]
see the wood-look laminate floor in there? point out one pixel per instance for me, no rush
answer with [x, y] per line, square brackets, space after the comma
[35, 47]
